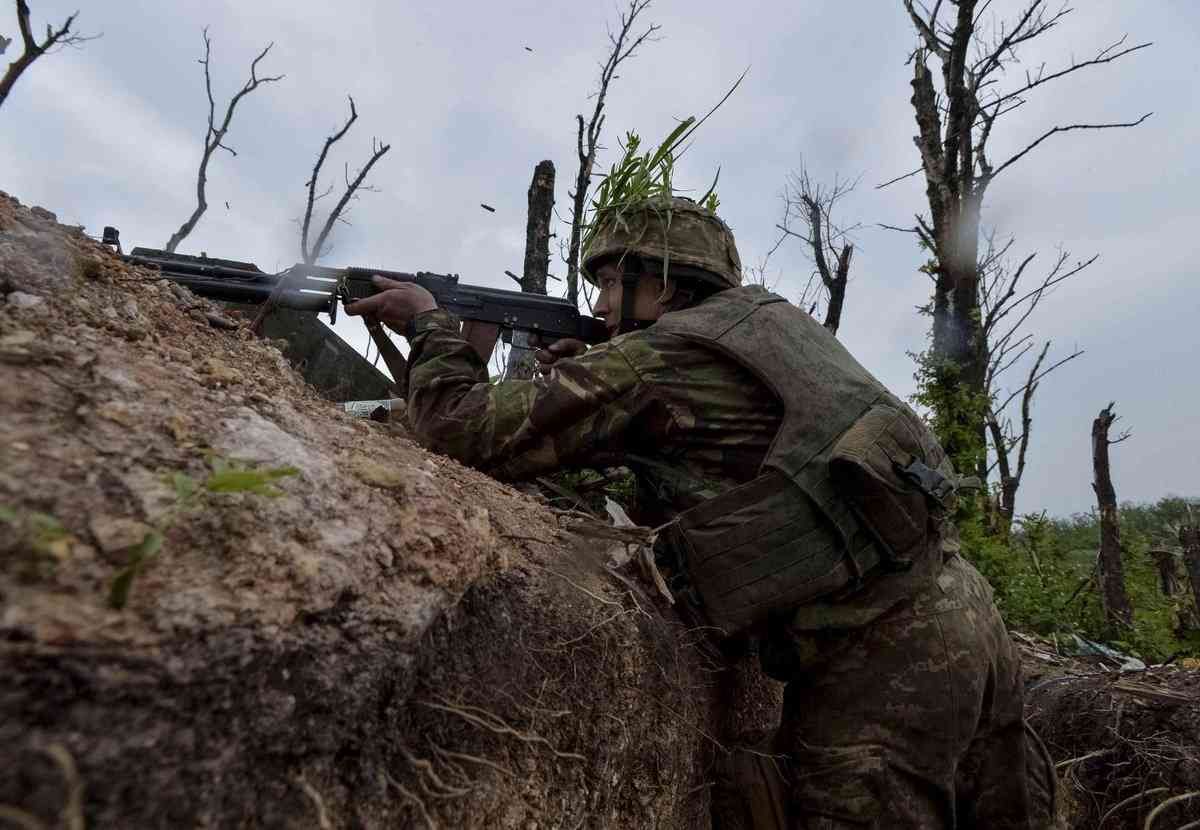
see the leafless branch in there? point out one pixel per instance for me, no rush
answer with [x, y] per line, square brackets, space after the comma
[827, 244]
[1056, 276]
[378, 150]
[1036, 374]
[311, 255]
[1000, 294]
[888, 227]
[1004, 439]
[926, 26]
[32, 49]
[1105, 55]
[214, 136]
[1064, 129]
[624, 44]
[890, 182]
[1030, 24]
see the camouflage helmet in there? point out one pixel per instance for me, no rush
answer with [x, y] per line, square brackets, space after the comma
[696, 237]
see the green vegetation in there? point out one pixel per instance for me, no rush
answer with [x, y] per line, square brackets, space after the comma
[231, 477]
[41, 535]
[636, 177]
[227, 477]
[954, 411]
[1044, 577]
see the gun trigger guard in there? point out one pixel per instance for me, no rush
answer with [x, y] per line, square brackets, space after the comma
[340, 292]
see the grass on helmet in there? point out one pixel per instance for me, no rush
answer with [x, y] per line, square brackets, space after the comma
[640, 180]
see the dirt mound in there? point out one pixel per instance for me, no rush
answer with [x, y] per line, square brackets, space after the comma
[224, 602]
[1126, 743]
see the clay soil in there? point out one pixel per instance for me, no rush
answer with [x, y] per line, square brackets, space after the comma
[324, 625]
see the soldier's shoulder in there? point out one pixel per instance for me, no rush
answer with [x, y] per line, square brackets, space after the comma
[649, 351]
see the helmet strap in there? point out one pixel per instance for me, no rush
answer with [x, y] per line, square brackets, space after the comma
[629, 282]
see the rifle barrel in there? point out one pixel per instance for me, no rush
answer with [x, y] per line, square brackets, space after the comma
[317, 288]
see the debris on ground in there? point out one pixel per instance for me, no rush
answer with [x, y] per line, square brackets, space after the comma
[1126, 741]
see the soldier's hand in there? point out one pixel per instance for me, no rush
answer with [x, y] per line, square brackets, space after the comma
[395, 304]
[566, 347]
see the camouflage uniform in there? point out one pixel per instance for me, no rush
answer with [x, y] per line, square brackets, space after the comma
[691, 426]
[903, 706]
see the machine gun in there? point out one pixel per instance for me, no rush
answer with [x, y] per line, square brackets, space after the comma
[488, 314]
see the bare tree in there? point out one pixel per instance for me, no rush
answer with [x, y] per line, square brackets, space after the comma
[32, 49]
[955, 120]
[310, 253]
[623, 45]
[214, 135]
[1006, 306]
[1118, 610]
[537, 260]
[811, 205]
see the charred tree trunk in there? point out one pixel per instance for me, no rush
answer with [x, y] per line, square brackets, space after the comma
[837, 290]
[1189, 540]
[958, 356]
[537, 257]
[1168, 572]
[537, 229]
[1118, 611]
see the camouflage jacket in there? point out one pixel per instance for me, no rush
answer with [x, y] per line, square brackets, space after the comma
[689, 422]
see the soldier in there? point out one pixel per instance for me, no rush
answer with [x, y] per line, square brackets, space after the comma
[806, 508]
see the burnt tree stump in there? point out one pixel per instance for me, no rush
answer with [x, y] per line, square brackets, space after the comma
[537, 257]
[1118, 610]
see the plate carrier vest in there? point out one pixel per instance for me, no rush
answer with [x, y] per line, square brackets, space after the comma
[852, 486]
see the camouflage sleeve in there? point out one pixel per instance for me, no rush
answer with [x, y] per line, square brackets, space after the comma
[578, 415]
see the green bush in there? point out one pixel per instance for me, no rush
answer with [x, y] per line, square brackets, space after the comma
[1044, 576]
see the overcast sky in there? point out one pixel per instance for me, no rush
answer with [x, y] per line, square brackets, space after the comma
[111, 134]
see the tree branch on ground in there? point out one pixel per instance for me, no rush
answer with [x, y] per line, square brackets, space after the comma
[214, 136]
[32, 48]
[623, 45]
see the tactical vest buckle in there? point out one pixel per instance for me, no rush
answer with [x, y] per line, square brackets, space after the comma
[928, 480]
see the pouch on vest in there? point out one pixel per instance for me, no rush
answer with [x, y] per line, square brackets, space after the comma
[829, 508]
[765, 547]
[892, 471]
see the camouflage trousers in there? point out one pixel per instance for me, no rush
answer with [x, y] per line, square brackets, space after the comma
[914, 722]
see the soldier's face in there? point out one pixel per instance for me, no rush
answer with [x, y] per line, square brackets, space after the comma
[609, 304]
